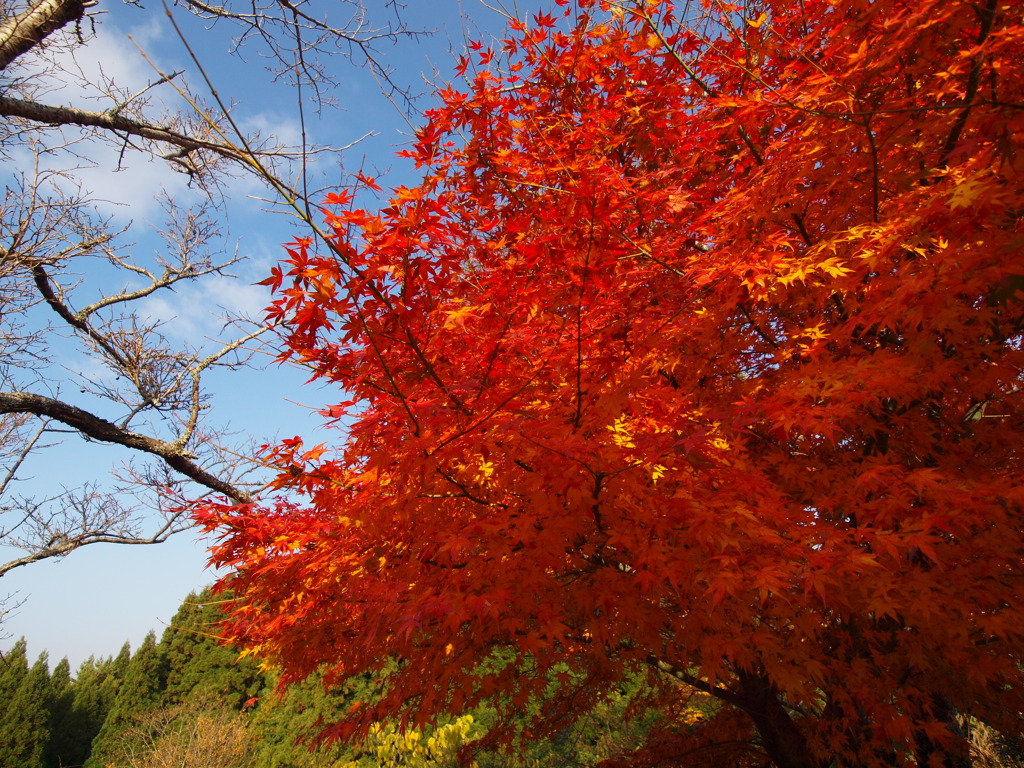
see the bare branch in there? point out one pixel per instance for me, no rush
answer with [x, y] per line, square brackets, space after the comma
[80, 306]
[105, 431]
[42, 113]
[22, 452]
[74, 519]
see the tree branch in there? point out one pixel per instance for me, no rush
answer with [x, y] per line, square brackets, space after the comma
[65, 546]
[723, 694]
[105, 431]
[21, 33]
[44, 113]
[986, 18]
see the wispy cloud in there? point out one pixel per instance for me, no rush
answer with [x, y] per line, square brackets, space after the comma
[199, 312]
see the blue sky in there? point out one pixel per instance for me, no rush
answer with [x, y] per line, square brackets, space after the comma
[99, 597]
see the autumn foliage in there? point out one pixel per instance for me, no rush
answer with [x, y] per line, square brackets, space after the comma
[698, 350]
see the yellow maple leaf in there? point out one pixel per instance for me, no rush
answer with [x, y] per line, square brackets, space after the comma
[756, 23]
[456, 318]
[965, 194]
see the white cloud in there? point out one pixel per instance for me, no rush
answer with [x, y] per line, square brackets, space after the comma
[79, 74]
[106, 70]
[125, 184]
[197, 312]
[128, 190]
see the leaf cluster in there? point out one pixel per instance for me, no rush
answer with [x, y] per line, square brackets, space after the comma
[698, 349]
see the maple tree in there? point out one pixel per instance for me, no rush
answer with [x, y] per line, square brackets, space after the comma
[697, 349]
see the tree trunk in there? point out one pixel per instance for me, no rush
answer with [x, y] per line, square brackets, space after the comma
[781, 737]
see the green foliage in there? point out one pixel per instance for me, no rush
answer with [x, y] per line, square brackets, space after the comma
[140, 693]
[13, 669]
[95, 689]
[24, 731]
[51, 719]
[608, 730]
[198, 664]
[284, 724]
[61, 749]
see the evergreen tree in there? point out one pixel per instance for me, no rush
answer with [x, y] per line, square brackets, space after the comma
[13, 669]
[95, 689]
[199, 664]
[141, 692]
[60, 705]
[119, 665]
[283, 726]
[25, 728]
[144, 679]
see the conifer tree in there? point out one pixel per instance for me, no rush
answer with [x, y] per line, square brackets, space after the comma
[198, 664]
[144, 679]
[141, 692]
[61, 749]
[24, 730]
[13, 669]
[95, 689]
[120, 663]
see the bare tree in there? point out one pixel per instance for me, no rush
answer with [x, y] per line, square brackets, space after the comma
[196, 733]
[133, 384]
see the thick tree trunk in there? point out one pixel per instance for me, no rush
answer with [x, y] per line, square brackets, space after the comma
[781, 737]
[929, 752]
